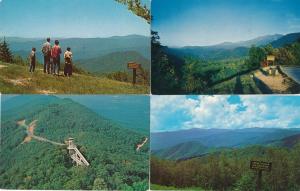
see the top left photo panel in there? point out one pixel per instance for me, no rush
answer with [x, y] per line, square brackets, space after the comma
[75, 47]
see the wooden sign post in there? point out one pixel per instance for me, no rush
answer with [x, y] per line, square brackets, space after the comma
[260, 166]
[271, 58]
[134, 66]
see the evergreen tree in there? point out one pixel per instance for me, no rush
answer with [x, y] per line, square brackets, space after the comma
[163, 72]
[5, 54]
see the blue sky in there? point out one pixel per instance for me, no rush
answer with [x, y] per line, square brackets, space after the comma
[171, 113]
[208, 22]
[69, 18]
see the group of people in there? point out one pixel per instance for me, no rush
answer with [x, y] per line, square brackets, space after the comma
[52, 59]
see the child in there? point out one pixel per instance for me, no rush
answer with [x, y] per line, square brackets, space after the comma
[68, 62]
[32, 60]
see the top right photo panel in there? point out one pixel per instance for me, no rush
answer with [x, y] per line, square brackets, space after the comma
[225, 47]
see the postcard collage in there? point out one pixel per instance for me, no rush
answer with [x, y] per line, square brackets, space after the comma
[140, 95]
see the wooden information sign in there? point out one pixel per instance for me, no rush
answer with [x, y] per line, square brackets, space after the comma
[271, 58]
[134, 66]
[260, 166]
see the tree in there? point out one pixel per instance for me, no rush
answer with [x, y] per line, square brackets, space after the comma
[99, 184]
[256, 55]
[164, 75]
[5, 54]
[137, 8]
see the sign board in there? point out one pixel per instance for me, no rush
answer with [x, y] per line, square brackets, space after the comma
[260, 165]
[270, 58]
[133, 65]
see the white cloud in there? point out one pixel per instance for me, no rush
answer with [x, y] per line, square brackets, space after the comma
[219, 112]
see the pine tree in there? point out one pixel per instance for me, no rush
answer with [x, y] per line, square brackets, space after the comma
[5, 53]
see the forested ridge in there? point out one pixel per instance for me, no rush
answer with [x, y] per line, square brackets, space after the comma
[109, 148]
[230, 170]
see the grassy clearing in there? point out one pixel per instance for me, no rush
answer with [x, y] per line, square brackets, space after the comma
[243, 84]
[160, 187]
[17, 79]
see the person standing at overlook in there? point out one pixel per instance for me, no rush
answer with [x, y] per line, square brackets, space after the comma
[55, 54]
[46, 50]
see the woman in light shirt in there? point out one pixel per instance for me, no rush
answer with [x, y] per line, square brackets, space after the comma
[68, 62]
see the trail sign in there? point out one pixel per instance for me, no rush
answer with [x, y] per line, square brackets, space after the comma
[134, 66]
[271, 58]
[260, 165]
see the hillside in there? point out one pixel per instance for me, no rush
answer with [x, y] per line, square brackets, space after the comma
[208, 53]
[285, 40]
[116, 109]
[108, 147]
[113, 62]
[16, 79]
[181, 151]
[85, 48]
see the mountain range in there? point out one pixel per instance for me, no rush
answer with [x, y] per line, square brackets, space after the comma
[112, 62]
[196, 142]
[93, 54]
[107, 146]
[228, 50]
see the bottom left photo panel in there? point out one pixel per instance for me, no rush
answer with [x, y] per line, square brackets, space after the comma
[84, 142]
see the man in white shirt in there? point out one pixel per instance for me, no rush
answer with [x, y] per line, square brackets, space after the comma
[46, 50]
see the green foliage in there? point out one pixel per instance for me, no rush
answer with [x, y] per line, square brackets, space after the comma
[5, 53]
[256, 56]
[160, 187]
[229, 170]
[289, 55]
[165, 75]
[109, 148]
[137, 8]
[120, 76]
[99, 184]
[244, 84]
[143, 76]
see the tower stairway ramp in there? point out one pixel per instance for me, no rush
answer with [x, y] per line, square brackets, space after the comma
[75, 154]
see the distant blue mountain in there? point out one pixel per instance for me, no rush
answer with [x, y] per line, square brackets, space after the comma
[232, 50]
[220, 137]
[86, 48]
[182, 150]
[198, 142]
[285, 40]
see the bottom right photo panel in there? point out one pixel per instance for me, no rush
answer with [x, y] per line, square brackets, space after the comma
[225, 143]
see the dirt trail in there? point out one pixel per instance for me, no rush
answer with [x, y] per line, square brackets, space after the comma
[30, 133]
[46, 92]
[19, 82]
[139, 146]
[276, 83]
[2, 66]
